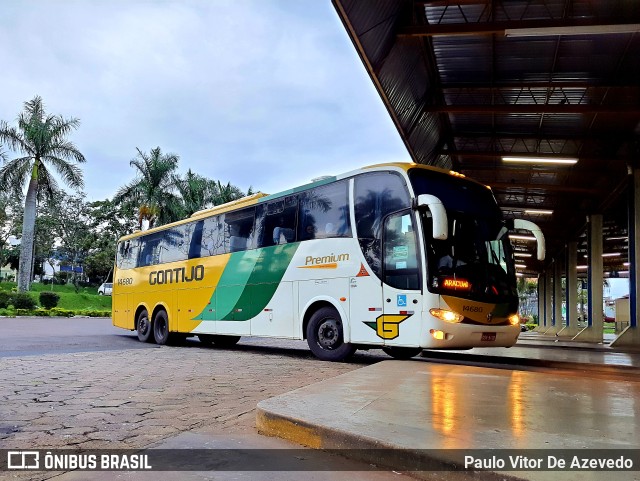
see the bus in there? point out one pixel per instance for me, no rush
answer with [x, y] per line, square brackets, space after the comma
[401, 257]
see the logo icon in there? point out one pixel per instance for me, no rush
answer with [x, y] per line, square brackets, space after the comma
[402, 300]
[23, 460]
[387, 325]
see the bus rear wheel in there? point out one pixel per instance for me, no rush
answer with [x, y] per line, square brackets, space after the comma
[325, 336]
[161, 328]
[143, 326]
[402, 352]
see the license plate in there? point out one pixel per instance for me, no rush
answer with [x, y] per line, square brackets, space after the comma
[488, 336]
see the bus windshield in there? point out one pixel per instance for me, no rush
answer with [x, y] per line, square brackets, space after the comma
[476, 260]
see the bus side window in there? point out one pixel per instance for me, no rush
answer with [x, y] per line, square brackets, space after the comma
[172, 244]
[195, 243]
[239, 228]
[324, 212]
[376, 195]
[150, 249]
[213, 236]
[127, 254]
[276, 221]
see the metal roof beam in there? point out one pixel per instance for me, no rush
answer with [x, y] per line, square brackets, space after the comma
[565, 26]
[500, 153]
[551, 136]
[502, 186]
[534, 109]
[449, 3]
[589, 83]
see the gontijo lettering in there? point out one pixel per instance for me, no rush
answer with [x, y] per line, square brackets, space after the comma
[179, 274]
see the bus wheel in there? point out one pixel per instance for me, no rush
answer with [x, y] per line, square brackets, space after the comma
[402, 352]
[161, 328]
[143, 326]
[325, 336]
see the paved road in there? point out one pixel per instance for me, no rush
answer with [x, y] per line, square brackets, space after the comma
[82, 383]
[29, 336]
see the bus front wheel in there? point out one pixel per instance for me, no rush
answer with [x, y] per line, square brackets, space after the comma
[402, 352]
[325, 336]
[161, 328]
[143, 326]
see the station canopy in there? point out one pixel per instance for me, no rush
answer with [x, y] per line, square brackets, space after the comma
[539, 99]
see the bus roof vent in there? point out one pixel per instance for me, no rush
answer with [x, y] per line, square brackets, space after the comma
[322, 177]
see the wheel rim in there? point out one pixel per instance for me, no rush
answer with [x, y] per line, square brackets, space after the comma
[143, 326]
[161, 327]
[329, 334]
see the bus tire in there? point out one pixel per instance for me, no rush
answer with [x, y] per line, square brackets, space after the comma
[325, 336]
[397, 352]
[143, 326]
[161, 328]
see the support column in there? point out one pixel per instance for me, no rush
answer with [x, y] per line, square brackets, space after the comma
[630, 337]
[593, 331]
[571, 291]
[539, 327]
[557, 299]
[548, 298]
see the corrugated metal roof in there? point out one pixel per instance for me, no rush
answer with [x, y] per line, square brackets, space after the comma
[463, 93]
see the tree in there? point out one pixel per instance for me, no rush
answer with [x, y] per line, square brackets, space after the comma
[41, 138]
[70, 217]
[109, 222]
[10, 224]
[152, 191]
[227, 193]
[196, 192]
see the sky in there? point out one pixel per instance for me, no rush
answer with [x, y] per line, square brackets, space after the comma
[267, 94]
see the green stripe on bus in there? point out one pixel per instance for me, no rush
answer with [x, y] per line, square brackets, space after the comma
[248, 282]
[231, 284]
[263, 282]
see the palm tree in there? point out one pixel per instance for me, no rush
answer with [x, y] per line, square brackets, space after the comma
[42, 140]
[227, 193]
[195, 191]
[152, 191]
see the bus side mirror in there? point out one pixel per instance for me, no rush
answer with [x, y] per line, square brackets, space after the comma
[438, 214]
[537, 233]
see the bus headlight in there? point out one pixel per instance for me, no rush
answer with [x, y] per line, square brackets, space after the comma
[514, 320]
[445, 315]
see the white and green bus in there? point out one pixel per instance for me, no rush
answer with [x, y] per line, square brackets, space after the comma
[401, 257]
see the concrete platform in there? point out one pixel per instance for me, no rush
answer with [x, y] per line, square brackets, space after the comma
[414, 405]
[535, 350]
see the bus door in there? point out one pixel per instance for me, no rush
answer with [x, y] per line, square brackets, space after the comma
[400, 325]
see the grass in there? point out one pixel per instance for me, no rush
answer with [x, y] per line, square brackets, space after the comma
[86, 299]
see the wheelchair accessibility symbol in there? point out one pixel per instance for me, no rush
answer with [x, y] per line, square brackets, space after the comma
[402, 300]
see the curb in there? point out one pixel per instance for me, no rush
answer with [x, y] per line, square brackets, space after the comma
[366, 449]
